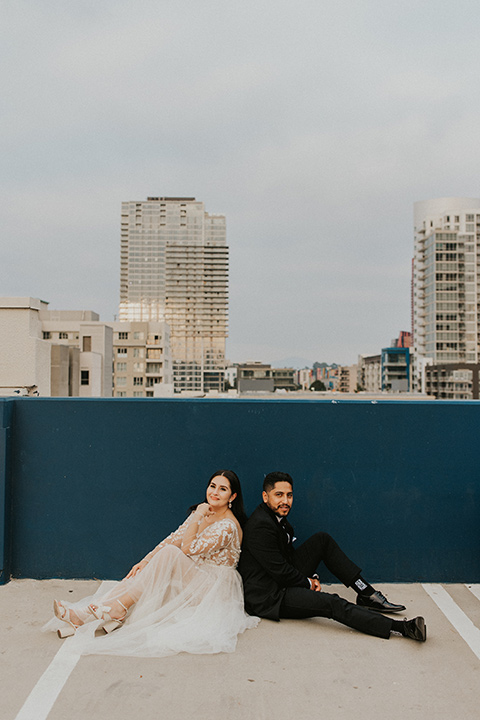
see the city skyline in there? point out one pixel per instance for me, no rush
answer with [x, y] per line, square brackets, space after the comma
[313, 130]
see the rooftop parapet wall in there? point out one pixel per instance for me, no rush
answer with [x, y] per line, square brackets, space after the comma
[97, 483]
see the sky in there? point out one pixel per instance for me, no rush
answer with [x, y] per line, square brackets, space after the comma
[313, 126]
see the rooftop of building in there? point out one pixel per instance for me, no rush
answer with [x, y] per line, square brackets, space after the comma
[293, 669]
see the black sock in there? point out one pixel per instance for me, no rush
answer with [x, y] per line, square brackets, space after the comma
[398, 627]
[361, 586]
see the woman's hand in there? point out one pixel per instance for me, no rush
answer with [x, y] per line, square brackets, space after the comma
[203, 511]
[136, 569]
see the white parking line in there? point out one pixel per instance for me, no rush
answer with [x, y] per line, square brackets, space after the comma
[40, 701]
[43, 696]
[475, 589]
[461, 622]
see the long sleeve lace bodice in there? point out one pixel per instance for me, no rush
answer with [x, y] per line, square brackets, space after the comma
[218, 543]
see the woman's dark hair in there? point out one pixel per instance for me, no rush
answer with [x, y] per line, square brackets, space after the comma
[237, 508]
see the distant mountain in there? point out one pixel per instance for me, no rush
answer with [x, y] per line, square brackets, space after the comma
[292, 362]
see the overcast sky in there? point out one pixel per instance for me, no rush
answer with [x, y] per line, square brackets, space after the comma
[312, 125]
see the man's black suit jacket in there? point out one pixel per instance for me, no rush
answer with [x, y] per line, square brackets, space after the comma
[266, 563]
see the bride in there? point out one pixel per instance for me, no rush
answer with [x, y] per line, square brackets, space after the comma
[185, 595]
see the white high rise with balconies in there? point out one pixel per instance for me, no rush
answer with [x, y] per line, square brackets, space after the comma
[446, 282]
[174, 267]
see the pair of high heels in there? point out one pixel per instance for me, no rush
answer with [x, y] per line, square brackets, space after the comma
[100, 612]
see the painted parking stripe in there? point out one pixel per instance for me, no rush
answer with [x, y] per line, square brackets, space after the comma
[43, 696]
[48, 688]
[461, 622]
[475, 589]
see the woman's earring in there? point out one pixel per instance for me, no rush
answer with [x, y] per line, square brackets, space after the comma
[229, 503]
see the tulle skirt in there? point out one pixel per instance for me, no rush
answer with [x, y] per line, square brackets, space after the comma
[181, 605]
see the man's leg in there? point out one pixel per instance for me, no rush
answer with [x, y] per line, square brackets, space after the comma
[322, 547]
[303, 603]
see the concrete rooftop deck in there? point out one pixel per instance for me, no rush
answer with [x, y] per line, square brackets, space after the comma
[293, 670]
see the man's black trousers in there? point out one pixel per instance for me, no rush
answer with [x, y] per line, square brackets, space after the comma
[303, 603]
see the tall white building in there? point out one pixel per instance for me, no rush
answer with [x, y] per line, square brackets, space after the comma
[174, 267]
[445, 282]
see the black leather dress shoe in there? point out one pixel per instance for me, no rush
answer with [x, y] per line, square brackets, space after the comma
[378, 602]
[415, 629]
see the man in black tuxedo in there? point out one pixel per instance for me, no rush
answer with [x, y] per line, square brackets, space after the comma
[281, 582]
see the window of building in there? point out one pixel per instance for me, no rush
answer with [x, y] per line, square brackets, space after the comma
[138, 380]
[138, 393]
[138, 367]
[87, 343]
[155, 354]
[121, 393]
[84, 377]
[154, 367]
[470, 218]
[63, 336]
[46, 336]
[121, 367]
[121, 381]
[121, 351]
[138, 352]
[123, 335]
[138, 335]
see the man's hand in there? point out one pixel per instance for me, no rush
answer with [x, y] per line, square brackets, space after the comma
[315, 584]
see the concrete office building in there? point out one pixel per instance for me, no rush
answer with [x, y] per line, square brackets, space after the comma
[24, 354]
[87, 352]
[445, 282]
[174, 268]
[57, 353]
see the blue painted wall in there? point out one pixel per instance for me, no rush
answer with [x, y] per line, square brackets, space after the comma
[96, 483]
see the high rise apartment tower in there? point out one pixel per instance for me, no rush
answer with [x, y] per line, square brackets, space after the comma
[174, 267]
[446, 282]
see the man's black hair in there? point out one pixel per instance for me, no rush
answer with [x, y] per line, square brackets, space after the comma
[274, 477]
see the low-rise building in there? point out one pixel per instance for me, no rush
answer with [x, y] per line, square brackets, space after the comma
[348, 381]
[25, 366]
[370, 373]
[71, 353]
[396, 369]
[254, 376]
[142, 360]
[453, 381]
[88, 342]
[284, 379]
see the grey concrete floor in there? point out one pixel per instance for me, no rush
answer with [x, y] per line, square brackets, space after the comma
[295, 669]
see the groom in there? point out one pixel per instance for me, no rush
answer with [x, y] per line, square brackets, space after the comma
[281, 582]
